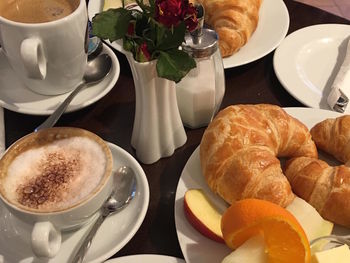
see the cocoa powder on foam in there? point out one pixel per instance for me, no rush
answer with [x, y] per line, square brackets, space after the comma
[58, 179]
[49, 186]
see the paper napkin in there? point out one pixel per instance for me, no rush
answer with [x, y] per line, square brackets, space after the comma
[339, 96]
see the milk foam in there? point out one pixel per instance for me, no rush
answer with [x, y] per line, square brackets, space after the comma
[36, 11]
[85, 172]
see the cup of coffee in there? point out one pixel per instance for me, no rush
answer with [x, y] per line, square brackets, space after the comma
[55, 179]
[45, 42]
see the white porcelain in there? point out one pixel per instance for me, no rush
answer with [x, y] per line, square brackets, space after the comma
[48, 226]
[16, 97]
[114, 233]
[157, 129]
[46, 239]
[272, 28]
[198, 248]
[49, 58]
[308, 60]
[146, 258]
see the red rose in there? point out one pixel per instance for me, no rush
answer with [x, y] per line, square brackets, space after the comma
[172, 12]
[144, 53]
[189, 16]
[168, 12]
[191, 23]
[131, 29]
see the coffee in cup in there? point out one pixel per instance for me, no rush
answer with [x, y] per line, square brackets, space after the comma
[36, 11]
[56, 179]
[45, 42]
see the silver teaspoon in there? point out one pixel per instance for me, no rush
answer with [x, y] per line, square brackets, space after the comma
[96, 69]
[124, 191]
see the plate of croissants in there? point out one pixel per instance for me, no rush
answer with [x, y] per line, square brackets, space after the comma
[266, 152]
[247, 29]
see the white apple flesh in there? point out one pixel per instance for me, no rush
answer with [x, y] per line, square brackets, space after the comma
[202, 214]
[251, 251]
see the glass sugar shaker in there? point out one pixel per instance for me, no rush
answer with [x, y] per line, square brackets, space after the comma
[200, 92]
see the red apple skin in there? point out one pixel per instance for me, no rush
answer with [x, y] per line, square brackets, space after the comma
[199, 226]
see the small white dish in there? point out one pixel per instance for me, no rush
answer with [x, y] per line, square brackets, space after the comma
[114, 233]
[16, 97]
[198, 248]
[146, 258]
[308, 60]
[271, 30]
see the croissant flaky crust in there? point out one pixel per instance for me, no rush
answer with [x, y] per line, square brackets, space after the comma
[326, 188]
[233, 20]
[239, 151]
[333, 137]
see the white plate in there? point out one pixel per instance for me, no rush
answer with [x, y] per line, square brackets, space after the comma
[114, 233]
[307, 61]
[272, 28]
[192, 243]
[16, 97]
[147, 258]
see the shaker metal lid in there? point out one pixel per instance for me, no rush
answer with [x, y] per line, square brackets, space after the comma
[201, 46]
[202, 42]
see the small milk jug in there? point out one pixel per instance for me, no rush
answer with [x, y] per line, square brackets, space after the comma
[200, 92]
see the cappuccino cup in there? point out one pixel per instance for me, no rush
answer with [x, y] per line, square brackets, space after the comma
[55, 179]
[45, 42]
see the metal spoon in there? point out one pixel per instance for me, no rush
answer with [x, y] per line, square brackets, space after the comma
[96, 70]
[335, 239]
[123, 193]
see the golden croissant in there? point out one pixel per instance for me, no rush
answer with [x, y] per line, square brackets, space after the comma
[239, 150]
[326, 188]
[233, 20]
[333, 137]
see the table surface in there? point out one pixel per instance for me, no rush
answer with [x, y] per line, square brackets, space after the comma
[112, 119]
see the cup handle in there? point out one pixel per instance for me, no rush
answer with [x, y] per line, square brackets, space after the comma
[33, 57]
[46, 240]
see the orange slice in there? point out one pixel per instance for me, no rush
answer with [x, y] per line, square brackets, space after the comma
[285, 239]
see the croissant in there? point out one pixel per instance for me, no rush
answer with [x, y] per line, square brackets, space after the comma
[233, 20]
[333, 137]
[326, 188]
[239, 149]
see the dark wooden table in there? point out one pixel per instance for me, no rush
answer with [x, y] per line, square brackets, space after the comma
[112, 119]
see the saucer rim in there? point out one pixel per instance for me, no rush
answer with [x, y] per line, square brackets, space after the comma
[112, 80]
[143, 196]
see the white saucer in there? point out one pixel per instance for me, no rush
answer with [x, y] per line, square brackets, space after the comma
[146, 258]
[271, 30]
[16, 97]
[114, 233]
[198, 248]
[308, 60]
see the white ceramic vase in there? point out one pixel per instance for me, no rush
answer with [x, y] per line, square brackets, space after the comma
[158, 129]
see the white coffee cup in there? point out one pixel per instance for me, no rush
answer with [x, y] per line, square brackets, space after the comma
[48, 57]
[70, 168]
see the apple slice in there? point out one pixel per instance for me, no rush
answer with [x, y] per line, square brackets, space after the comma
[251, 251]
[202, 214]
[339, 254]
[311, 221]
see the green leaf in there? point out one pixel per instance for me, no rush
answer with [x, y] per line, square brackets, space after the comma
[111, 24]
[144, 7]
[174, 64]
[169, 39]
[129, 45]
